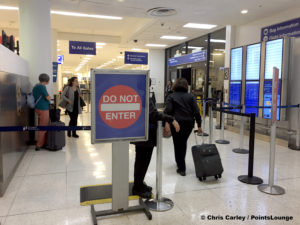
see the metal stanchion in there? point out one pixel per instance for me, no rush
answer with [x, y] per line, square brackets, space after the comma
[211, 124]
[241, 149]
[160, 203]
[297, 145]
[222, 139]
[250, 179]
[219, 126]
[203, 134]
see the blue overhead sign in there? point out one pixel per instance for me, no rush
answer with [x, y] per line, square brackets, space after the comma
[189, 58]
[60, 59]
[82, 48]
[136, 58]
[54, 68]
[289, 28]
[120, 106]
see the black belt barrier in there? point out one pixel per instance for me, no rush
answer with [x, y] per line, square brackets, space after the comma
[43, 128]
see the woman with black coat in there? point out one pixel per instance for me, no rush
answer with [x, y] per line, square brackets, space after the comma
[144, 150]
[183, 107]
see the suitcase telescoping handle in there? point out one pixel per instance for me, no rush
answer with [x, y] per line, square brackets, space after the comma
[195, 132]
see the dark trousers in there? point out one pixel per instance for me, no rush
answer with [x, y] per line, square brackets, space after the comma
[180, 142]
[142, 161]
[73, 121]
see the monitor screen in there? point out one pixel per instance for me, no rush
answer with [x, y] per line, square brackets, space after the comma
[253, 62]
[235, 94]
[268, 99]
[274, 51]
[236, 63]
[252, 96]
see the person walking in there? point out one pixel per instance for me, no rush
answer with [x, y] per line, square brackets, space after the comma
[168, 89]
[183, 106]
[42, 106]
[71, 94]
[143, 150]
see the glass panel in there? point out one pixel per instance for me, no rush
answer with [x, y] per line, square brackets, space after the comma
[178, 50]
[197, 45]
[217, 60]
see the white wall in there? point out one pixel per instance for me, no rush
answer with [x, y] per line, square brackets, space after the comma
[250, 33]
[157, 73]
[12, 63]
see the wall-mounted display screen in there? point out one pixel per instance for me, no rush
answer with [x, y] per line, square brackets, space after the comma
[252, 96]
[235, 94]
[268, 99]
[274, 52]
[236, 64]
[253, 62]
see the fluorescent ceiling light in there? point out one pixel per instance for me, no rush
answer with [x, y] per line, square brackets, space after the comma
[63, 13]
[244, 11]
[121, 57]
[156, 45]
[8, 7]
[136, 49]
[85, 15]
[199, 26]
[217, 40]
[99, 46]
[99, 43]
[216, 54]
[173, 37]
[194, 47]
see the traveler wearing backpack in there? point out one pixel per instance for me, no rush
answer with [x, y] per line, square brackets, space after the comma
[42, 99]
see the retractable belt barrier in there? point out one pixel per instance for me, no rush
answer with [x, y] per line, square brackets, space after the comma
[43, 128]
[248, 179]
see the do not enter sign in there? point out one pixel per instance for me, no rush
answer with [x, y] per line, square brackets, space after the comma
[120, 106]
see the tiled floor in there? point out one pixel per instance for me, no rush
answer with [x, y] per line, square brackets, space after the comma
[45, 189]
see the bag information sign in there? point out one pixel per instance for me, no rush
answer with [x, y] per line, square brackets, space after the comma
[119, 105]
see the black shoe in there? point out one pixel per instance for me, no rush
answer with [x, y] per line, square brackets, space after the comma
[142, 193]
[75, 136]
[181, 172]
[69, 134]
[147, 188]
[37, 148]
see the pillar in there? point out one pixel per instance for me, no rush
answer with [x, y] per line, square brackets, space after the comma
[36, 39]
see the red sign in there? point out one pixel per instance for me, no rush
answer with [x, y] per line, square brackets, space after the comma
[120, 106]
[275, 93]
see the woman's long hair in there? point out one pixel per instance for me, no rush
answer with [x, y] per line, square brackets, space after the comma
[71, 80]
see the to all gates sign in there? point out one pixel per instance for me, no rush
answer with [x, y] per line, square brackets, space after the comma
[119, 105]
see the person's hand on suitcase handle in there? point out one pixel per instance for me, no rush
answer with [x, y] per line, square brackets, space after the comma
[199, 131]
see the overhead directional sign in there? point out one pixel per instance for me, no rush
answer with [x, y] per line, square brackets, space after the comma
[189, 58]
[136, 58]
[82, 48]
[289, 28]
[119, 105]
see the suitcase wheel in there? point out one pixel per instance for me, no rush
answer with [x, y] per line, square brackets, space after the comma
[219, 175]
[202, 178]
[216, 177]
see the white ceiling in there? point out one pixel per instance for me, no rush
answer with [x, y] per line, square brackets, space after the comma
[137, 24]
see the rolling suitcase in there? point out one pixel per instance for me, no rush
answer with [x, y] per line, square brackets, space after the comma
[56, 139]
[207, 161]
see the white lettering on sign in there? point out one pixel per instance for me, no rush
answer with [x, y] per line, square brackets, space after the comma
[120, 115]
[109, 99]
[128, 98]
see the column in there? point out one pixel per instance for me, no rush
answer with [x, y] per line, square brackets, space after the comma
[36, 39]
[157, 73]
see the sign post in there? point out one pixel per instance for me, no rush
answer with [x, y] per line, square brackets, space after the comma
[120, 115]
[270, 188]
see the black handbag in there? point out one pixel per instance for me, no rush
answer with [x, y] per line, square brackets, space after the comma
[82, 103]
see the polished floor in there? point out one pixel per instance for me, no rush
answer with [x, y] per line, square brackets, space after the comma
[45, 188]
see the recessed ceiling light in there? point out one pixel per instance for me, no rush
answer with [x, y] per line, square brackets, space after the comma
[85, 15]
[136, 49]
[156, 45]
[172, 37]
[199, 26]
[8, 7]
[244, 11]
[194, 47]
[217, 40]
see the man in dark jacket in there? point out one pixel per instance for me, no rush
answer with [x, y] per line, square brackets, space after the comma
[144, 151]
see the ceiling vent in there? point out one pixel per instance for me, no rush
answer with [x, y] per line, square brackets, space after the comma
[161, 11]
